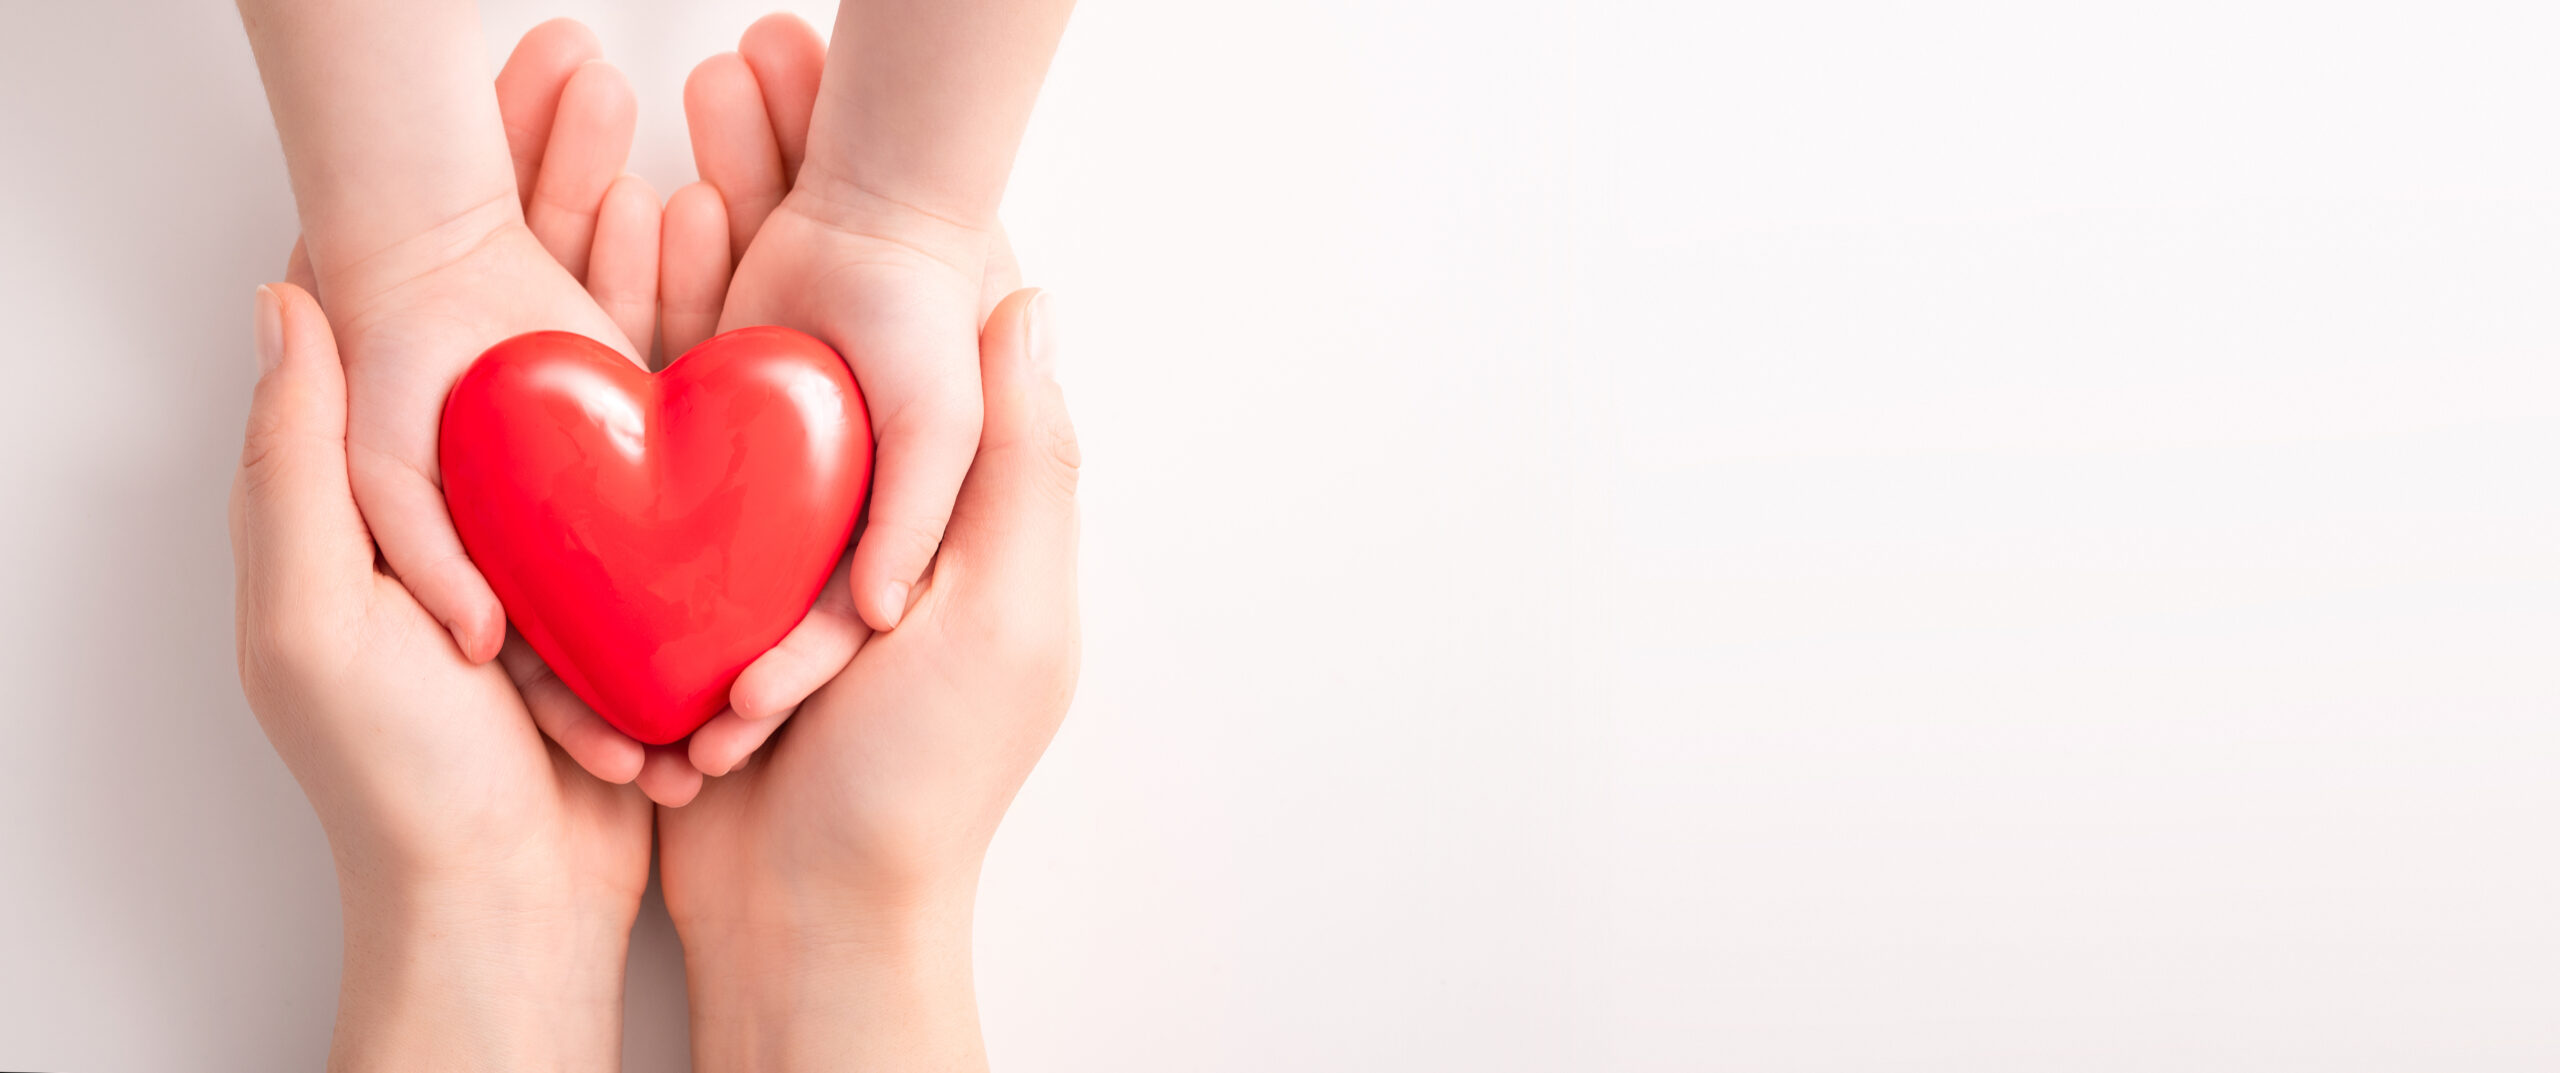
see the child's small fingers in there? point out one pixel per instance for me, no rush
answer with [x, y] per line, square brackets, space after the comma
[807, 657]
[604, 752]
[622, 270]
[925, 448]
[529, 90]
[787, 56]
[668, 778]
[693, 267]
[414, 529]
[733, 143]
[590, 141]
[723, 745]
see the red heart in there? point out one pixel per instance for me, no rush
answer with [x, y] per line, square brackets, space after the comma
[650, 535]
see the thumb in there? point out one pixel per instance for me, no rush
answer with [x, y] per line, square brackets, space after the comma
[1015, 521]
[293, 514]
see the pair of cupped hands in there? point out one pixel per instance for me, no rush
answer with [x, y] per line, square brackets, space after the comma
[469, 794]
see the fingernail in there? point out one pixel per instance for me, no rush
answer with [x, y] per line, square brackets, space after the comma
[270, 330]
[898, 591]
[1044, 334]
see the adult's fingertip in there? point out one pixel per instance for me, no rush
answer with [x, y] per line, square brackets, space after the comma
[571, 37]
[782, 24]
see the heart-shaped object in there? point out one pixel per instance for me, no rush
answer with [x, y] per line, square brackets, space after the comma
[652, 534]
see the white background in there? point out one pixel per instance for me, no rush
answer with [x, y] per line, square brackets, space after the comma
[1761, 537]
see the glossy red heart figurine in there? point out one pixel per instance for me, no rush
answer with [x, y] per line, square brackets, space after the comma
[652, 534]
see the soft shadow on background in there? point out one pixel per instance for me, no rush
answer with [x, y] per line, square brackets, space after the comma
[1639, 536]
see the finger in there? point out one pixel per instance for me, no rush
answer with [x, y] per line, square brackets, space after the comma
[622, 269]
[589, 143]
[787, 56]
[733, 143]
[925, 444]
[529, 90]
[606, 753]
[293, 513]
[408, 517]
[693, 267]
[1014, 527]
[667, 778]
[817, 648]
[774, 685]
[723, 744]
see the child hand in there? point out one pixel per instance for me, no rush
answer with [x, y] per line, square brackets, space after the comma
[567, 117]
[898, 292]
[421, 276]
[898, 289]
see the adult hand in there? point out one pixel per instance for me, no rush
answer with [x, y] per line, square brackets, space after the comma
[489, 883]
[824, 891]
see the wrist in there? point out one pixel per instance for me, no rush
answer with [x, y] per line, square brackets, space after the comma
[356, 264]
[853, 981]
[385, 115]
[487, 973]
[956, 232]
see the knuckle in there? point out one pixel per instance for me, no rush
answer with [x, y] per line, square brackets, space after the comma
[265, 434]
[1065, 459]
[258, 466]
[912, 541]
[557, 209]
[520, 132]
[268, 458]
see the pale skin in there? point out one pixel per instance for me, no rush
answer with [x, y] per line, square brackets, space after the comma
[824, 892]
[858, 204]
